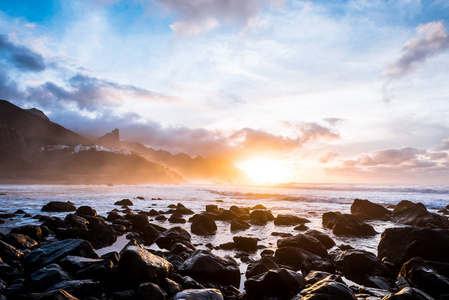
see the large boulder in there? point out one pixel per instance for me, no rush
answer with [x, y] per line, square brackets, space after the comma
[345, 224]
[416, 214]
[359, 265]
[305, 242]
[261, 266]
[325, 240]
[20, 241]
[417, 273]
[398, 245]
[46, 277]
[203, 225]
[367, 210]
[138, 264]
[409, 293]
[86, 211]
[261, 216]
[139, 221]
[149, 290]
[202, 265]
[172, 236]
[275, 283]
[245, 243]
[8, 252]
[124, 202]
[58, 206]
[150, 233]
[55, 251]
[199, 294]
[74, 220]
[181, 209]
[239, 225]
[300, 259]
[282, 219]
[87, 268]
[102, 236]
[328, 289]
[33, 231]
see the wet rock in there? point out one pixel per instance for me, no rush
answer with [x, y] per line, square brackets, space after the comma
[8, 252]
[261, 217]
[239, 225]
[55, 251]
[53, 295]
[177, 218]
[153, 212]
[301, 227]
[190, 283]
[20, 241]
[170, 287]
[416, 214]
[161, 218]
[398, 245]
[304, 241]
[315, 276]
[258, 206]
[240, 211]
[138, 264]
[37, 233]
[201, 294]
[102, 236]
[113, 256]
[124, 202]
[228, 215]
[87, 268]
[202, 265]
[289, 220]
[46, 277]
[417, 273]
[281, 234]
[328, 289]
[261, 266]
[79, 288]
[325, 240]
[245, 243]
[344, 224]
[76, 221]
[112, 216]
[71, 233]
[172, 236]
[57, 206]
[213, 208]
[86, 211]
[140, 221]
[203, 225]
[150, 233]
[409, 294]
[275, 283]
[367, 210]
[358, 265]
[148, 290]
[300, 259]
[125, 295]
[180, 248]
[181, 209]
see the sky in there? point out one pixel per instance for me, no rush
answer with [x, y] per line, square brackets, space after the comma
[351, 91]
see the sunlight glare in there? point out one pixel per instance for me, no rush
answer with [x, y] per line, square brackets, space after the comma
[265, 170]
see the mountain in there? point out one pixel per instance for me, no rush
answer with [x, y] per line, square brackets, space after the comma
[34, 148]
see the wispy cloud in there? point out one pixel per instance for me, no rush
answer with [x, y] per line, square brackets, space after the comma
[20, 57]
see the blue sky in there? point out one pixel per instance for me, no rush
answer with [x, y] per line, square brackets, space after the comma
[336, 91]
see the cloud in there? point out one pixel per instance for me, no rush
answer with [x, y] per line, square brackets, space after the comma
[328, 156]
[8, 87]
[445, 144]
[431, 40]
[20, 57]
[194, 17]
[313, 130]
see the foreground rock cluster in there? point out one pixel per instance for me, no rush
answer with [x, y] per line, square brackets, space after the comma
[58, 260]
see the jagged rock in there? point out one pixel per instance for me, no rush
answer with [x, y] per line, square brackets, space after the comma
[46, 277]
[8, 252]
[409, 294]
[20, 241]
[136, 263]
[416, 214]
[86, 211]
[201, 294]
[419, 274]
[35, 232]
[367, 210]
[55, 251]
[315, 276]
[327, 289]
[79, 288]
[245, 243]
[239, 225]
[202, 265]
[344, 224]
[102, 236]
[57, 206]
[140, 221]
[148, 290]
[203, 225]
[398, 245]
[325, 240]
[124, 202]
[261, 266]
[276, 283]
[261, 216]
[87, 268]
[289, 220]
[358, 265]
[172, 236]
[304, 241]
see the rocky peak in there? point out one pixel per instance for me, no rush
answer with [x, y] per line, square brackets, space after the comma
[110, 140]
[38, 113]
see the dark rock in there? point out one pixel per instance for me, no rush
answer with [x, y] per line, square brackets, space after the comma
[358, 265]
[181, 209]
[86, 211]
[315, 276]
[112, 216]
[325, 240]
[140, 221]
[124, 295]
[190, 283]
[177, 218]
[124, 202]
[409, 294]
[54, 295]
[258, 206]
[344, 224]
[416, 214]
[76, 221]
[79, 288]
[261, 217]
[102, 236]
[87, 268]
[276, 283]
[172, 236]
[245, 243]
[203, 225]
[398, 245]
[8, 252]
[179, 248]
[367, 210]
[289, 220]
[161, 218]
[201, 294]
[228, 215]
[136, 263]
[239, 225]
[281, 234]
[239, 210]
[305, 242]
[150, 233]
[202, 265]
[113, 256]
[46, 277]
[57, 206]
[212, 208]
[300, 259]
[327, 289]
[95, 220]
[55, 251]
[301, 227]
[37, 233]
[148, 290]
[170, 287]
[71, 233]
[419, 274]
[20, 241]
[261, 266]
[153, 212]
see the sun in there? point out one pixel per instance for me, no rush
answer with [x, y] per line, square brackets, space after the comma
[263, 170]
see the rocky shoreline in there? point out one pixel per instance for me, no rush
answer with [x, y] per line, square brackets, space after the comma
[58, 259]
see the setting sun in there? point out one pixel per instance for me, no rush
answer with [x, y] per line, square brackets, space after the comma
[265, 170]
